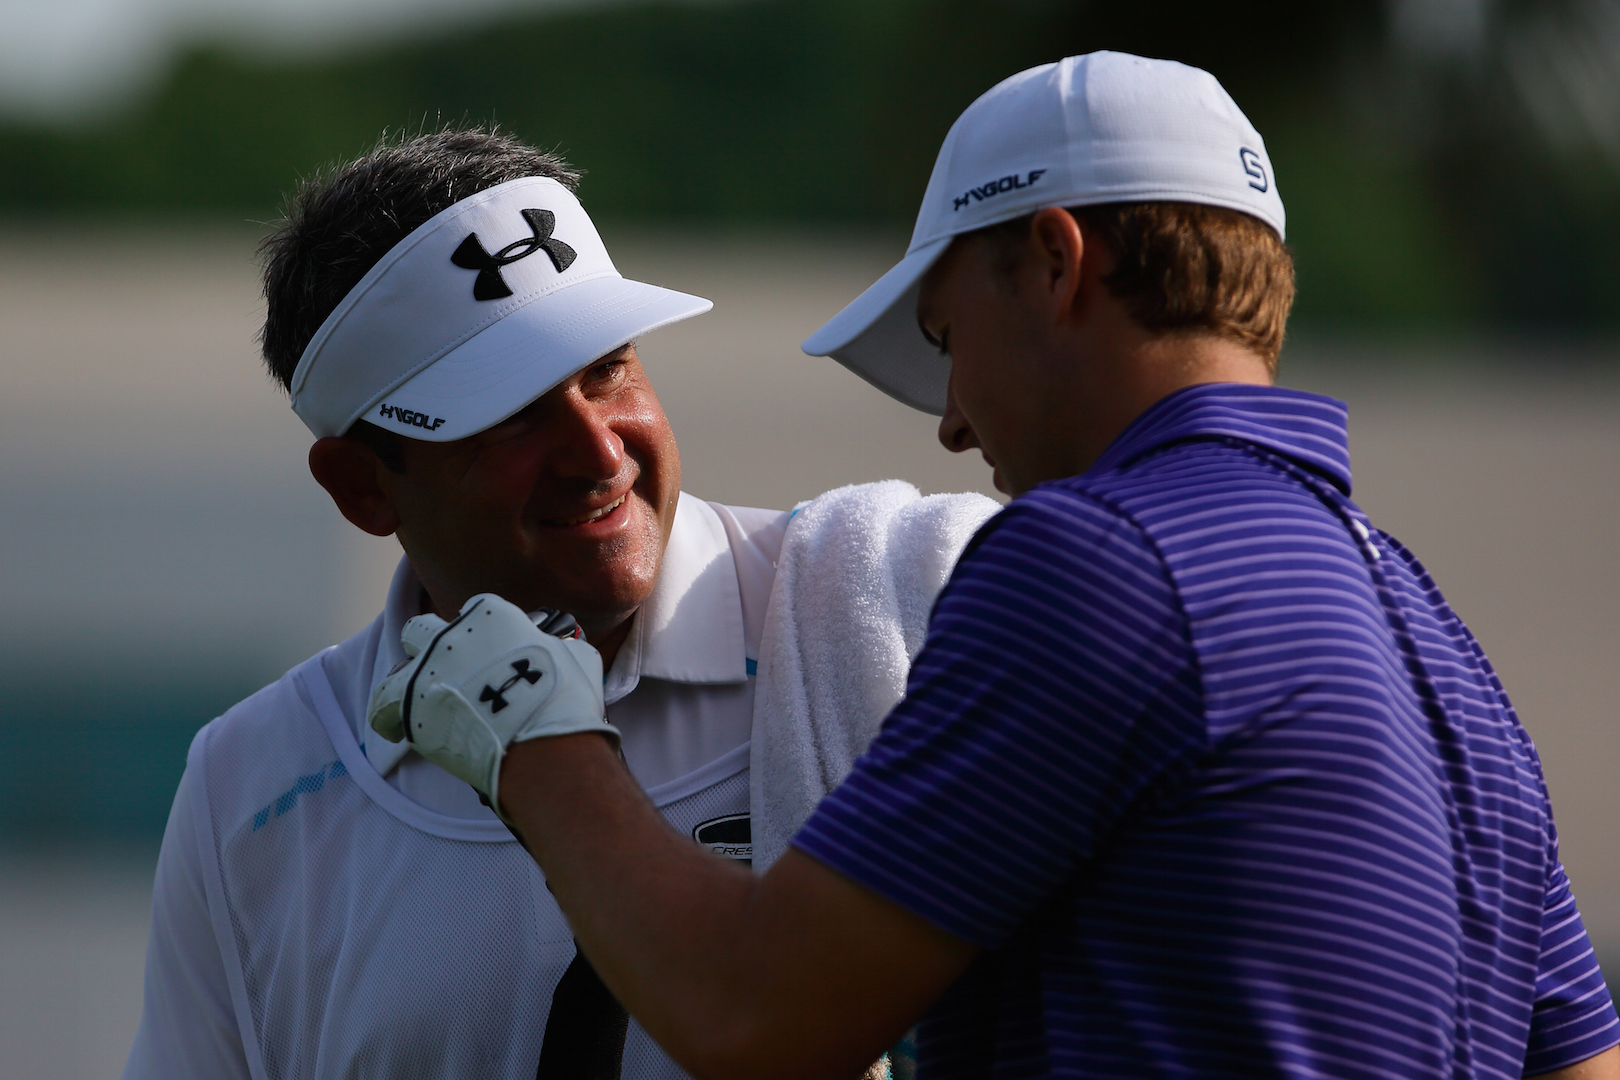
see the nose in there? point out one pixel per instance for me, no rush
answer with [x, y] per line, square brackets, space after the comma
[586, 447]
[955, 433]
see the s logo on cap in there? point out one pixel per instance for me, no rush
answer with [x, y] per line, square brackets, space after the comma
[489, 285]
[1252, 166]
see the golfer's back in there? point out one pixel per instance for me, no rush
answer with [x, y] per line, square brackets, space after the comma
[1379, 806]
[1263, 807]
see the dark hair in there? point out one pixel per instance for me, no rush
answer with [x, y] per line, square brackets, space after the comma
[1187, 267]
[339, 222]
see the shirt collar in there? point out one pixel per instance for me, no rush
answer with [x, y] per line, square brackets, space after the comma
[404, 603]
[690, 629]
[1308, 429]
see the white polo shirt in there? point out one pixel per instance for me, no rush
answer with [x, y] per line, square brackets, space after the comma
[329, 903]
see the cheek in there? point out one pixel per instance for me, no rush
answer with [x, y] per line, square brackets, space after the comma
[502, 481]
[471, 513]
[974, 383]
[643, 554]
[988, 367]
[649, 440]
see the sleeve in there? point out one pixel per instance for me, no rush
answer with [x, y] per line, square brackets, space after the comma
[1057, 680]
[1573, 1016]
[188, 1025]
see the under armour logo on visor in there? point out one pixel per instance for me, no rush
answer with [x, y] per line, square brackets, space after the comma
[523, 674]
[489, 285]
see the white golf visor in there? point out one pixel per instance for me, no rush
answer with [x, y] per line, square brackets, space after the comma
[1100, 128]
[482, 309]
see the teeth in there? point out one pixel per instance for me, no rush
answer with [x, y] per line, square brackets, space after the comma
[594, 514]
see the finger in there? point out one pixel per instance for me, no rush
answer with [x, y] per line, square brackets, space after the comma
[384, 713]
[419, 633]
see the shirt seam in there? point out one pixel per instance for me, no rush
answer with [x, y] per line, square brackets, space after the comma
[1205, 745]
[218, 907]
[1113, 506]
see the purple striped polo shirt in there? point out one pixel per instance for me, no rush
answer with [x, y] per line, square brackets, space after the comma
[1219, 782]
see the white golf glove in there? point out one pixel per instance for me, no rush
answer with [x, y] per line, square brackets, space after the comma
[490, 678]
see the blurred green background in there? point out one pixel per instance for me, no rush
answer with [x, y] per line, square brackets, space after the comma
[1446, 163]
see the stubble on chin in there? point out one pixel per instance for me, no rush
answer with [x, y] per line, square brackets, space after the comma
[621, 573]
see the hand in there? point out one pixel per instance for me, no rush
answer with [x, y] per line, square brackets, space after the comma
[491, 677]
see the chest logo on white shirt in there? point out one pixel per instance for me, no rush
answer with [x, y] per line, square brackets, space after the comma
[730, 837]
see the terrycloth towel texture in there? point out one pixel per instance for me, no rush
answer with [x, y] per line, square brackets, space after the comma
[855, 583]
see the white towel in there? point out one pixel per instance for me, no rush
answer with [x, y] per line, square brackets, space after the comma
[855, 583]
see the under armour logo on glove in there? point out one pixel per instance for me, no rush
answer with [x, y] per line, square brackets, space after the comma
[446, 701]
[489, 285]
[522, 674]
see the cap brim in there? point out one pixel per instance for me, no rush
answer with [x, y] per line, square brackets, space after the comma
[494, 374]
[877, 336]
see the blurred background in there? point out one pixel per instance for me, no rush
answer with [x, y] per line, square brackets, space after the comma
[1451, 170]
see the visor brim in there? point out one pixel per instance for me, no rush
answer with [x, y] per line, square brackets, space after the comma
[496, 373]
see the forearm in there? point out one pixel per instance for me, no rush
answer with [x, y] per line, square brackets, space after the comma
[639, 898]
[730, 973]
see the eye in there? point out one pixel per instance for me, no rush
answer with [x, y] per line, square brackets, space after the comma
[607, 372]
[517, 424]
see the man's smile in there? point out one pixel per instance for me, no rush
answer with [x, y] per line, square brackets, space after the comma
[593, 515]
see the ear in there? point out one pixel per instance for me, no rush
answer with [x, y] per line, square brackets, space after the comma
[351, 474]
[1058, 252]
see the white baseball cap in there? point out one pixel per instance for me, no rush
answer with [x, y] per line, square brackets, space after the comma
[482, 309]
[1100, 128]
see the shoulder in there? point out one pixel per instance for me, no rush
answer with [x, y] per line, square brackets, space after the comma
[242, 759]
[282, 715]
[888, 527]
[1060, 563]
[755, 537]
[259, 722]
[1057, 526]
[1178, 487]
[752, 531]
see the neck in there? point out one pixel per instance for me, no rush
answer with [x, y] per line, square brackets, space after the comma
[1162, 365]
[609, 640]
[1109, 396]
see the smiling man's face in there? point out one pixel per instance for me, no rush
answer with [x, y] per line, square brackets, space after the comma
[568, 504]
